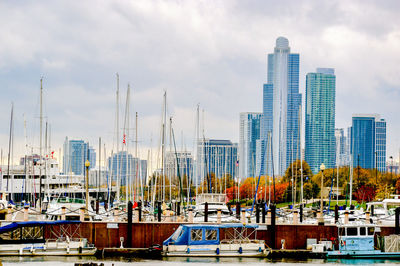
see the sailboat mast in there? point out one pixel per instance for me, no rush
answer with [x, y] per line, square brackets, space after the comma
[163, 145]
[170, 172]
[40, 145]
[301, 155]
[196, 143]
[117, 124]
[9, 149]
[98, 178]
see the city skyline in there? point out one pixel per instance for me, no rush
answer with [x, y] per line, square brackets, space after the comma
[79, 69]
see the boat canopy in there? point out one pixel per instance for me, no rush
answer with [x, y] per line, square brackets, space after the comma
[15, 225]
[201, 234]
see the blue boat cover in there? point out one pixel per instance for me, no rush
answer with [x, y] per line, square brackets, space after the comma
[183, 235]
[15, 225]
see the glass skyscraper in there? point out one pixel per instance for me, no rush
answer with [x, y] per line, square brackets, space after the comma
[320, 142]
[76, 152]
[281, 105]
[249, 134]
[368, 141]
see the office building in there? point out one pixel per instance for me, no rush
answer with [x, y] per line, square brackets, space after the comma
[218, 157]
[124, 166]
[368, 141]
[76, 152]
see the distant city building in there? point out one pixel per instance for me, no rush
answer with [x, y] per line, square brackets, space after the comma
[125, 166]
[249, 134]
[320, 143]
[99, 178]
[185, 162]
[281, 104]
[342, 148]
[368, 141]
[30, 159]
[76, 152]
[393, 169]
[92, 157]
[218, 157]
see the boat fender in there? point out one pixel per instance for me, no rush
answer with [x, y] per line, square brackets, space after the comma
[259, 249]
[217, 251]
[240, 250]
[342, 242]
[188, 251]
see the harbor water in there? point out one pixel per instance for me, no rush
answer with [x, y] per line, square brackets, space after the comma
[64, 261]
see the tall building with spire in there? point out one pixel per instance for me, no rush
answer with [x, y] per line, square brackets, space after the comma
[320, 142]
[281, 105]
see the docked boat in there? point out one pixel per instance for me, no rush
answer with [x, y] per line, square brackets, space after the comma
[223, 240]
[215, 202]
[357, 241]
[28, 239]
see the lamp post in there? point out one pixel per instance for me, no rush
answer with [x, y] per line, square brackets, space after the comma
[322, 168]
[87, 164]
[391, 169]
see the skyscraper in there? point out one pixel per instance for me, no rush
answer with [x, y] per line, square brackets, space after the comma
[368, 141]
[248, 136]
[320, 142]
[76, 152]
[281, 103]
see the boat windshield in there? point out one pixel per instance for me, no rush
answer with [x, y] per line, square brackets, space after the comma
[177, 233]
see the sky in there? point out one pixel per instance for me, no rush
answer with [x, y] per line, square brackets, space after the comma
[207, 53]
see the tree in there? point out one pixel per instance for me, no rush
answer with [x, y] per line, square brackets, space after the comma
[295, 167]
[231, 193]
[364, 194]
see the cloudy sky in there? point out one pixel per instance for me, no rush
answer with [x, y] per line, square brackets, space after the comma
[211, 53]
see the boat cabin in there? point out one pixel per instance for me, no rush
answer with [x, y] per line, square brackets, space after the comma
[232, 239]
[356, 237]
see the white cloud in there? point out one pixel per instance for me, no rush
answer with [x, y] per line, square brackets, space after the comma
[207, 52]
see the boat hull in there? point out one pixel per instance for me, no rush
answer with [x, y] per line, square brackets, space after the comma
[363, 254]
[222, 250]
[38, 249]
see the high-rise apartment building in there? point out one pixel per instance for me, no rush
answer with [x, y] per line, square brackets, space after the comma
[368, 141]
[281, 105]
[320, 142]
[76, 152]
[249, 134]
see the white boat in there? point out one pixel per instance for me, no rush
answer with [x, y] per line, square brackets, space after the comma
[215, 202]
[222, 240]
[72, 209]
[356, 240]
[28, 239]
